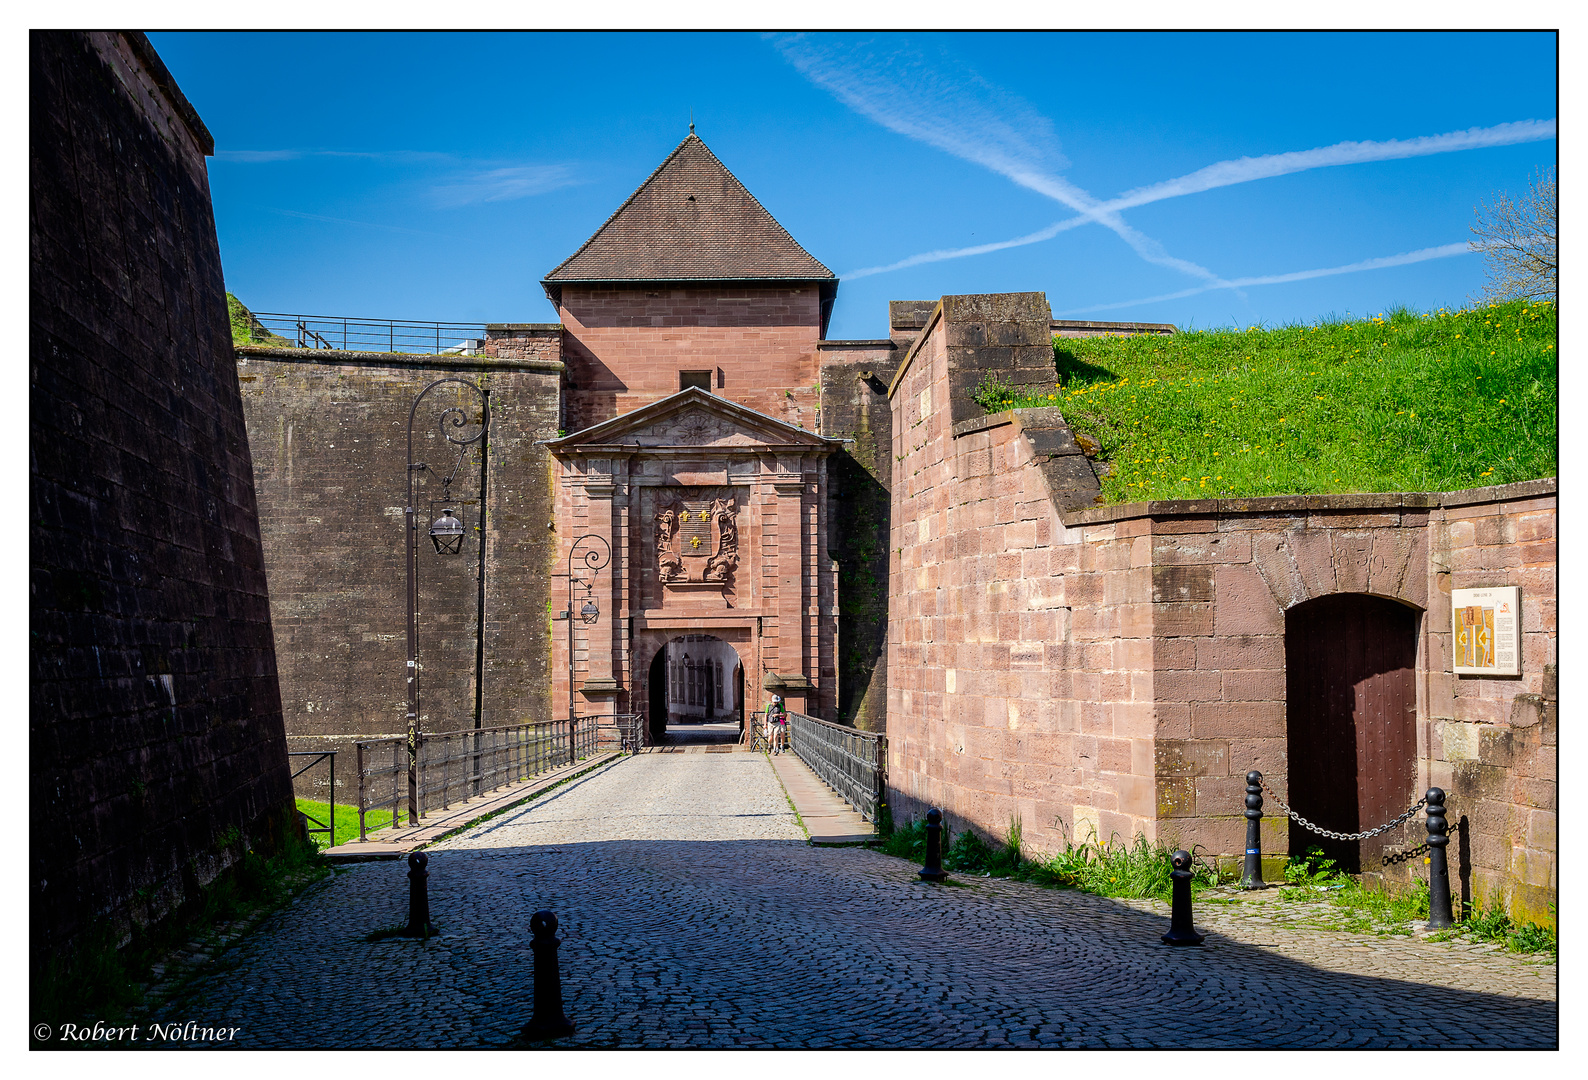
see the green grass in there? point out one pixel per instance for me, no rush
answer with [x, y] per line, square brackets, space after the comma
[346, 820]
[1493, 924]
[1360, 909]
[247, 330]
[1403, 402]
[1134, 870]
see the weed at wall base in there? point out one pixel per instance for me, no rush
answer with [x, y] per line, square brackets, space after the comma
[1135, 870]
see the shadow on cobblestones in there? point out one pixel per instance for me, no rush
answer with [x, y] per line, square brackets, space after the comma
[772, 943]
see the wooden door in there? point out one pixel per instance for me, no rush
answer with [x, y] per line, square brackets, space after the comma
[1351, 705]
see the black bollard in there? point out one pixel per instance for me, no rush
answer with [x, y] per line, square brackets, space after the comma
[1439, 916]
[1181, 932]
[548, 1021]
[1252, 873]
[933, 870]
[419, 924]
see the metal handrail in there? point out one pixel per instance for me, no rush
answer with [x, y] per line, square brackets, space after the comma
[286, 330]
[327, 827]
[455, 766]
[630, 731]
[853, 763]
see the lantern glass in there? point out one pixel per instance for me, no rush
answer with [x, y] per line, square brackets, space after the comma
[447, 534]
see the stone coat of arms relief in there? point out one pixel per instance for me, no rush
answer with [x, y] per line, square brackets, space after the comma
[697, 541]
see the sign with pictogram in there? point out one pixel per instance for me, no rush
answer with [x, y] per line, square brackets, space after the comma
[1487, 630]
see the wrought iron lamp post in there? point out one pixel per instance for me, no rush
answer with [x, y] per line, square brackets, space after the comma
[595, 553]
[447, 534]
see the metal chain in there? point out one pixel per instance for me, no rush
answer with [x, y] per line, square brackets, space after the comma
[1304, 823]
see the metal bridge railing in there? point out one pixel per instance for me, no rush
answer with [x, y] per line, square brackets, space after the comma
[852, 763]
[365, 335]
[454, 766]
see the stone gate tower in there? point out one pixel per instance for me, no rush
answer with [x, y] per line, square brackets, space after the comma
[690, 330]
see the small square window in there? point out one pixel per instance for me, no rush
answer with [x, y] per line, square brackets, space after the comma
[702, 379]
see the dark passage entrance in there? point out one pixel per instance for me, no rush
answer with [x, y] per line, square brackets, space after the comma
[695, 692]
[1351, 696]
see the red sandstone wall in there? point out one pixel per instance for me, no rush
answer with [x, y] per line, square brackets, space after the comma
[1019, 662]
[1493, 740]
[625, 347]
[1223, 574]
[1118, 670]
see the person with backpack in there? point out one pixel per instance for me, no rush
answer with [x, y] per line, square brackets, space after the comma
[777, 725]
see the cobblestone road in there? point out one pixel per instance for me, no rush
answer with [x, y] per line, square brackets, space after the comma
[694, 916]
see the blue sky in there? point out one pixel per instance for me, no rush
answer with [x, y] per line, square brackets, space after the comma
[1195, 178]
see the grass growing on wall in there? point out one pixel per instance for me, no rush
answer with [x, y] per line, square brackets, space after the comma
[1396, 402]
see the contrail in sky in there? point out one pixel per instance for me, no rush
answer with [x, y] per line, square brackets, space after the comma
[1242, 170]
[968, 117]
[1445, 251]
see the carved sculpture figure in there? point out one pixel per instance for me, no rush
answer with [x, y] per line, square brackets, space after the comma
[722, 564]
[669, 567]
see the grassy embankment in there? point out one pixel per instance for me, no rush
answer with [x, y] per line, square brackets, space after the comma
[247, 330]
[346, 820]
[1403, 402]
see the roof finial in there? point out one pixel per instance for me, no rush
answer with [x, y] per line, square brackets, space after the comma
[691, 121]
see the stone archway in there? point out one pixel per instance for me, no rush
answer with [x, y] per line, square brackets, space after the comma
[695, 690]
[1351, 732]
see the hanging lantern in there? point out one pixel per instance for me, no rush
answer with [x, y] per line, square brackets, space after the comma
[447, 534]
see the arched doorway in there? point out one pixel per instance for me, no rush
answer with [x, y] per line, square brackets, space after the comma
[695, 692]
[1351, 710]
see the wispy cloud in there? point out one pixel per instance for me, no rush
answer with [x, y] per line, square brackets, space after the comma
[1244, 170]
[363, 224]
[469, 182]
[400, 157]
[500, 185]
[962, 114]
[1444, 251]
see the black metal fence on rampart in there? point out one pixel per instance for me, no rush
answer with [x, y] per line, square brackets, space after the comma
[365, 335]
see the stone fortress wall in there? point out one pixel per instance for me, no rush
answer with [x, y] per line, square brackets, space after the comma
[1117, 670]
[330, 434]
[157, 755]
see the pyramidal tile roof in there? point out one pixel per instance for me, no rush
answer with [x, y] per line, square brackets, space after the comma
[690, 221]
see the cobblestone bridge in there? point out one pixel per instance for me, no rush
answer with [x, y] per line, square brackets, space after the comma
[695, 915]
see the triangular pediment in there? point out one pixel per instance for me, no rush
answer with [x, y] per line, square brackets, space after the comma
[694, 417]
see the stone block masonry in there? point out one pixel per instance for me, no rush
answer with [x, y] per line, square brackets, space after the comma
[1087, 670]
[329, 431]
[156, 747]
[854, 407]
[625, 347]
